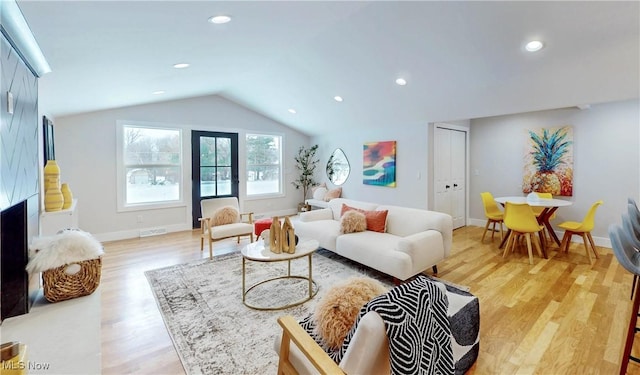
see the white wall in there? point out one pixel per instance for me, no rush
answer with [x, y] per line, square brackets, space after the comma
[86, 153]
[411, 160]
[606, 159]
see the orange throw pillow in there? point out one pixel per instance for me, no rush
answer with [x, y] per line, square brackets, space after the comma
[376, 220]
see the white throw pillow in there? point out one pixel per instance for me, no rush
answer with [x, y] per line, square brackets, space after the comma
[319, 193]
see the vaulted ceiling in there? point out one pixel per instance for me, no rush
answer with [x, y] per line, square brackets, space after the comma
[461, 60]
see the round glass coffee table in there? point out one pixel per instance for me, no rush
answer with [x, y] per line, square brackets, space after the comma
[257, 252]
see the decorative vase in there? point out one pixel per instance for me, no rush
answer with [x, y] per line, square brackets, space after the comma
[275, 240]
[53, 198]
[288, 237]
[67, 195]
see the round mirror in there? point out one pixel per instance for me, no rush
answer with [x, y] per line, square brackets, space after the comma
[338, 167]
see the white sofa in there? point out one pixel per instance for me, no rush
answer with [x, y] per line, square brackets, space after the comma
[319, 203]
[414, 239]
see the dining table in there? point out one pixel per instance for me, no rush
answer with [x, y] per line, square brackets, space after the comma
[549, 207]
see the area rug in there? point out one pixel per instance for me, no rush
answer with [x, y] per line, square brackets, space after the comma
[214, 332]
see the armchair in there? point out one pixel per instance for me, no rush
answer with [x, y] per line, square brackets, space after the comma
[369, 349]
[213, 232]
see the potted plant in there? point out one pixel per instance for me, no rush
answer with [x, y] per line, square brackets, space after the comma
[306, 163]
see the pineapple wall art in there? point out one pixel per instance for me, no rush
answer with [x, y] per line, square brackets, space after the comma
[548, 161]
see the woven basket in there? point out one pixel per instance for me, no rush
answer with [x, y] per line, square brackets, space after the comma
[60, 286]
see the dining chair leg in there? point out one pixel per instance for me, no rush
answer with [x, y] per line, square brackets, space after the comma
[566, 240]
[509, 243]
[633, 286]
[586, 249]
[486, 228]
[527, 236]
[501, 231]
[543, 245]
[631, 333]
[538, 246]
[593, 245]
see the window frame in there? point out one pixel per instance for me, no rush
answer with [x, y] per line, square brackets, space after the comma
[121, 168]
[281, 188]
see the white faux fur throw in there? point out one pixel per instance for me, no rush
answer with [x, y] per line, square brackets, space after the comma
[66, 247]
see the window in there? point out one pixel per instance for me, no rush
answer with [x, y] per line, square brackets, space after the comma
[264, 167]
[150, 171]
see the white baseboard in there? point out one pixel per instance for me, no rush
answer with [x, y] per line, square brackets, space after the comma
[143, 232]
[135, 233]
[600, 241]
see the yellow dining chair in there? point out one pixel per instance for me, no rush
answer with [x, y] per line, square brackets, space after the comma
[538, 210]
[493, 213]
[583, 229]
[521, 220]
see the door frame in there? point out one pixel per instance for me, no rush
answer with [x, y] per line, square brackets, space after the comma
[432, 183]
[195, 169]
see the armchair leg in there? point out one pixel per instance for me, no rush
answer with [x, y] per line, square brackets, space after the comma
[210, 249]
[435, 269]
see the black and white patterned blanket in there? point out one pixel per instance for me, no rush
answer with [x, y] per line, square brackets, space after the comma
[426, 323]
[415, 317]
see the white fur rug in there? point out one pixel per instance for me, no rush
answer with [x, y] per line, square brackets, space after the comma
[69, 246]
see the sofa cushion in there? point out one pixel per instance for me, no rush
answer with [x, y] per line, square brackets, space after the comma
[324, 231]
[376, 220]
[352, 222]
[376, 250]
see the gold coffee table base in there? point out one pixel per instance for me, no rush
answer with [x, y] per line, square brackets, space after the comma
[314, 289]
[256, 252]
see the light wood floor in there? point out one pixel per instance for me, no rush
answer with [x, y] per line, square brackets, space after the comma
[559, 316]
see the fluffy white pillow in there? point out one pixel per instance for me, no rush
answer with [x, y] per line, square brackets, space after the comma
[225, 215]
[352, 222]
[319, 193]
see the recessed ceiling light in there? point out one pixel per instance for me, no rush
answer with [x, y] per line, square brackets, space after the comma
[181, 65]
[219, 19]
[291, 110]
[534, 45]
[159, 92]
[401, 81]
[337, 98]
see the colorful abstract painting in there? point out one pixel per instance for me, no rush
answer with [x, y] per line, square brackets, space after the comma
[379, 163]
[548, 161]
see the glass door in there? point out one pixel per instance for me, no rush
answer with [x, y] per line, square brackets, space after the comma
[214, 167]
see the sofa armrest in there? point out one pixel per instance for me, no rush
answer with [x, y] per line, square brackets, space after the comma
[418, 246]
[322, 214]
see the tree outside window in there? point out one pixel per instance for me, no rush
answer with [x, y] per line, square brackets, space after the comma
[264, 167]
